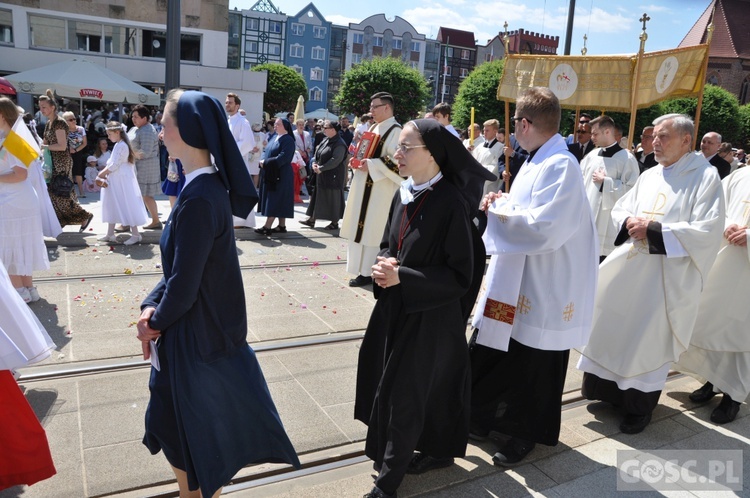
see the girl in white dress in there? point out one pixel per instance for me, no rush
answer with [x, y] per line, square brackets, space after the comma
[121, 196]
[22, 248]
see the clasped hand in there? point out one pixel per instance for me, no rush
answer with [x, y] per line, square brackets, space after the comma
[385, 272]
[488, 199]
[736, 235]
[145, 332]
[637, 227]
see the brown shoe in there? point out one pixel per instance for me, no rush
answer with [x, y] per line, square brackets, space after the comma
[157, 225]
[122, 229]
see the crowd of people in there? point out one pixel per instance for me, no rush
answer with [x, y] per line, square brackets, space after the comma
[573, 227]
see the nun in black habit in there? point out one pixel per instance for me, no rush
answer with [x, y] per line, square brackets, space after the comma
[413, 378]
[210, 410]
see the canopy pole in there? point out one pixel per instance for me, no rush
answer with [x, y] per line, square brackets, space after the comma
[704, 69]
[634, 94]
[506, 42]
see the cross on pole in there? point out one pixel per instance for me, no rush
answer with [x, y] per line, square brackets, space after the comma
[644, 19]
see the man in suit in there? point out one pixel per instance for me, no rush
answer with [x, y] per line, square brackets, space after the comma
[709, 147]
[645, 156]
[583, 144]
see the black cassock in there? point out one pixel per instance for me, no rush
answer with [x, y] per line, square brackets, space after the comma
[413, 379]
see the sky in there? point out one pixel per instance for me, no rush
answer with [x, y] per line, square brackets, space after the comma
[611, 28]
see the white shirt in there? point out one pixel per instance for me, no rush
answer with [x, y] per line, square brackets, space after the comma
[243, 135]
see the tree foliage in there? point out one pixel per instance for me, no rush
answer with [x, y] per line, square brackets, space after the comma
[744, 142]
[479, 90]
[720, 112]
[283, 88]
[387, 74]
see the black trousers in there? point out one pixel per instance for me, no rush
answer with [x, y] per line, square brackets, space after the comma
[632, 400]
[519, 392]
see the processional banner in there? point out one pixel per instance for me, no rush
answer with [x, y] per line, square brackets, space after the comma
[606, 82]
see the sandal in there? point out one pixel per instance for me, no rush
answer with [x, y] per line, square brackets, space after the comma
[309, 222]
[332, 226]
[262, 231]
[279, 229]
[86, 223]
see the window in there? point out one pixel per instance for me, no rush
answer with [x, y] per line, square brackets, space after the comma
[274, 50]
[296, 50]
[47, 32]
[298, 70]
[298, 29]
[446, 89]
[316, 74]
[154, 44]
[448, 71]
[251, 46]
[377, 41]
[414, 64]
[253, 24]
[397, 43]
[358, 38]
[415, 47]
[356, 58]
[6, 26]
[88, 36]
[316, 94]
[488, 57]
[465, 54]
[319, 32]
[274, 26]
[318, 53]
[121, 40]
[464, 72]
[449, 51]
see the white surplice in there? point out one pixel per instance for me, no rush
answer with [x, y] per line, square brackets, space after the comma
[646, 304]
[385, 183]
[621, 170]
[720, 345]
[544, 252]
[488, 157]
[245, 139]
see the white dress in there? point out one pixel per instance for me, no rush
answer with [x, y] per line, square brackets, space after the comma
[121, 200]
[22, 248]
[23, 340]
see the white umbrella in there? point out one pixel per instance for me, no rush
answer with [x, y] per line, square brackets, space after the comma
[83, 79]
[320, 114]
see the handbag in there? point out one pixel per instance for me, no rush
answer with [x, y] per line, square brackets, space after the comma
[60, 186]
[172, 174]
[303, 172]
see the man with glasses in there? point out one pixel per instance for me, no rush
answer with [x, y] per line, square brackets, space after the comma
[538, 303]
[583, 143]
[375, 181]
[645, 155]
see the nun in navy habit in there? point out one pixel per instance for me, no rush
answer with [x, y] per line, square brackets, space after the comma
[277, 179]
[413, 377]
[210, 410]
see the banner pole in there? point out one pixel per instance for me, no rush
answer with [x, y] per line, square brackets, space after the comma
[634, 94]
[704, 69]
[506, 42]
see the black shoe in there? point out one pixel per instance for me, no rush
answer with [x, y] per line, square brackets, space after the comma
[726, 411]
[263, 231]
[279, 229]
[379, 493]
[703, 394]
[360, 281]
[633, 424]
[514, 451]
[122, 229]
[478, 434]
[421, 463]
[377, 467]
[86, 224]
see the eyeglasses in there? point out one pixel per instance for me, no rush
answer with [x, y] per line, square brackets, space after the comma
[376, 106]
[521, 119]
[584, 121]
[403, 148]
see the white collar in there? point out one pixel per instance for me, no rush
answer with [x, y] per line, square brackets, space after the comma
[206, 170]
[409, 191]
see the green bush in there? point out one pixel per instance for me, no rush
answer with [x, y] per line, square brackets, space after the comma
[283, 89]
[744, 142]
[383, 74]
[720, 113]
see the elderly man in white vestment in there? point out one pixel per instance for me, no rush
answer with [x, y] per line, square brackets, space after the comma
[243, 135]
[375, 182]
[540, 288]
[670, 226]
[609, 171]
[720, 346]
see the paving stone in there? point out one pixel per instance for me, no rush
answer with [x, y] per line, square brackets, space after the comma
[296, 322]
[343, 416]
[123, 466]
[567, 465]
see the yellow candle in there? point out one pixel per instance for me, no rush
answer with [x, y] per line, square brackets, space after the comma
[471, 132]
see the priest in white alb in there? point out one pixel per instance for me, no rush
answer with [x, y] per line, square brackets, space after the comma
[609, 171]
[719, 349]
[243, 136]
[540, 288]
[669, 231]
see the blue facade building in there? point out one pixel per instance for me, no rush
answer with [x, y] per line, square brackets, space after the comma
[308, 41]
